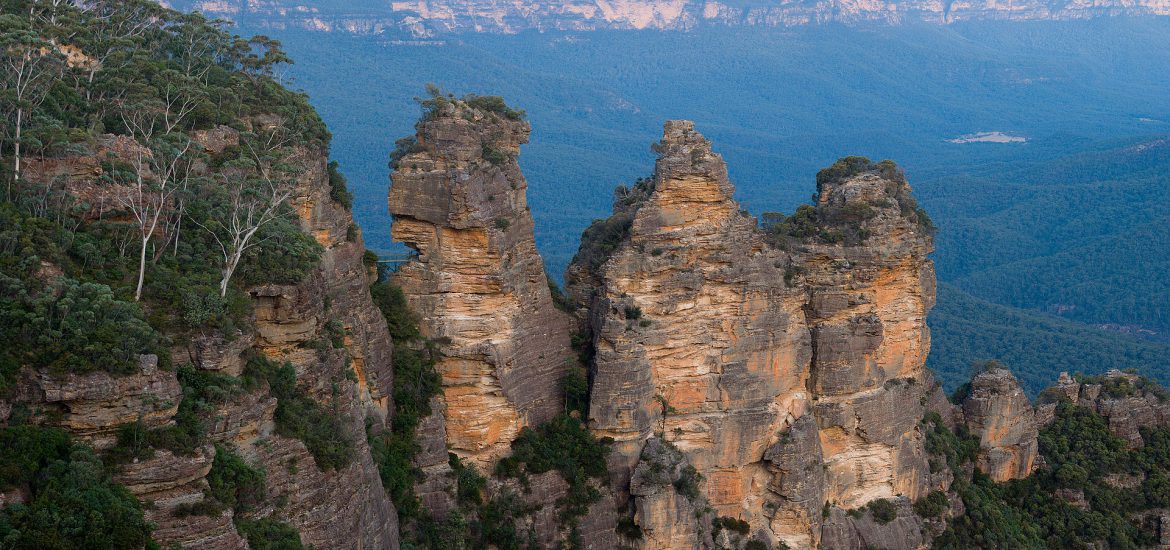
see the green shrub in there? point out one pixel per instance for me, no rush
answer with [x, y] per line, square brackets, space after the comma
[559, 298]
[415, 383]
[562, 444]
[392, 303]
[734, 525]
[602, 238]
[576, 389]
[469, 485]
[338, 187]
[633, 312]
[493, 156]
[496, 524]
[493, 104]
[933, 505]
[26, 450]
[883, 511]
[402, 148]
[234, 482]
[299, 416]
[567, 446]
[74, 327]
[286, 257]
[269, 534]
[336, 333]
[688, 481]
[73, 503]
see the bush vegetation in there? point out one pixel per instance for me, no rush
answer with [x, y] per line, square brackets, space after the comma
[338, 186]
[300, 416]
[604, 236]
[91, 249]
[72, 503]
[882, 511]
[71, 327]
[1080, 454]
[269, 534]
[415, 383]
[203, 392]
[235, 483]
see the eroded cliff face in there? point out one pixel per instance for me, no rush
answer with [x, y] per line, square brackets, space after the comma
[1001, 416]
[477, 283]
[789, 373]
[330, 508]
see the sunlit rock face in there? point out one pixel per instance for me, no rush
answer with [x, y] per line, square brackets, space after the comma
[789, 373]
[478, 284]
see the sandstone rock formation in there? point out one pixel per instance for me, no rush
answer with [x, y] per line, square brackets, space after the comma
[1126, 400]
[1001, 416]
[478, 284]
[789, 372]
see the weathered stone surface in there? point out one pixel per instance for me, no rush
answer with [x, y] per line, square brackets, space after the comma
[337, 508]
[215, 352]
[844, 532]
[436, 488]
[93, 405]
[1000, 415]
[797, 485]
[718, 340]
[1119, 397]
[668, 518]
[477, 283]
[164, 471]
[697, 336]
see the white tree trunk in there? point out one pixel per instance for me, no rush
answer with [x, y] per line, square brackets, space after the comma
[141, 269]
[16, 159]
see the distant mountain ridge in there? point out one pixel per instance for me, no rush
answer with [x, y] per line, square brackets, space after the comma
[434, 18]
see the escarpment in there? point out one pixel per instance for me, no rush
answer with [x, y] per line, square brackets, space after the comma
[751, 350]
[477, 283]
[324, 342]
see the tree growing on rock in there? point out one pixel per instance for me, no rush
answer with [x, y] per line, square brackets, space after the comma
[255, 198]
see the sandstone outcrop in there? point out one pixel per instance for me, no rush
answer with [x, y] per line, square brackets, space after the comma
[93, 406]
[1128, 401]
[477, 283]
[789, 371]
[1001, 416]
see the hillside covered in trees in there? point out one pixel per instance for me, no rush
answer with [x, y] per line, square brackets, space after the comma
[155, 175]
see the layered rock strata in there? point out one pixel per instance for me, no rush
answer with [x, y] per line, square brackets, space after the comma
[789, 372]
[477, 283]
[1001, 416]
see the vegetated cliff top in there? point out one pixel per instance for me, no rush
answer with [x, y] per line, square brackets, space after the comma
[433, 18]
[182, 294]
